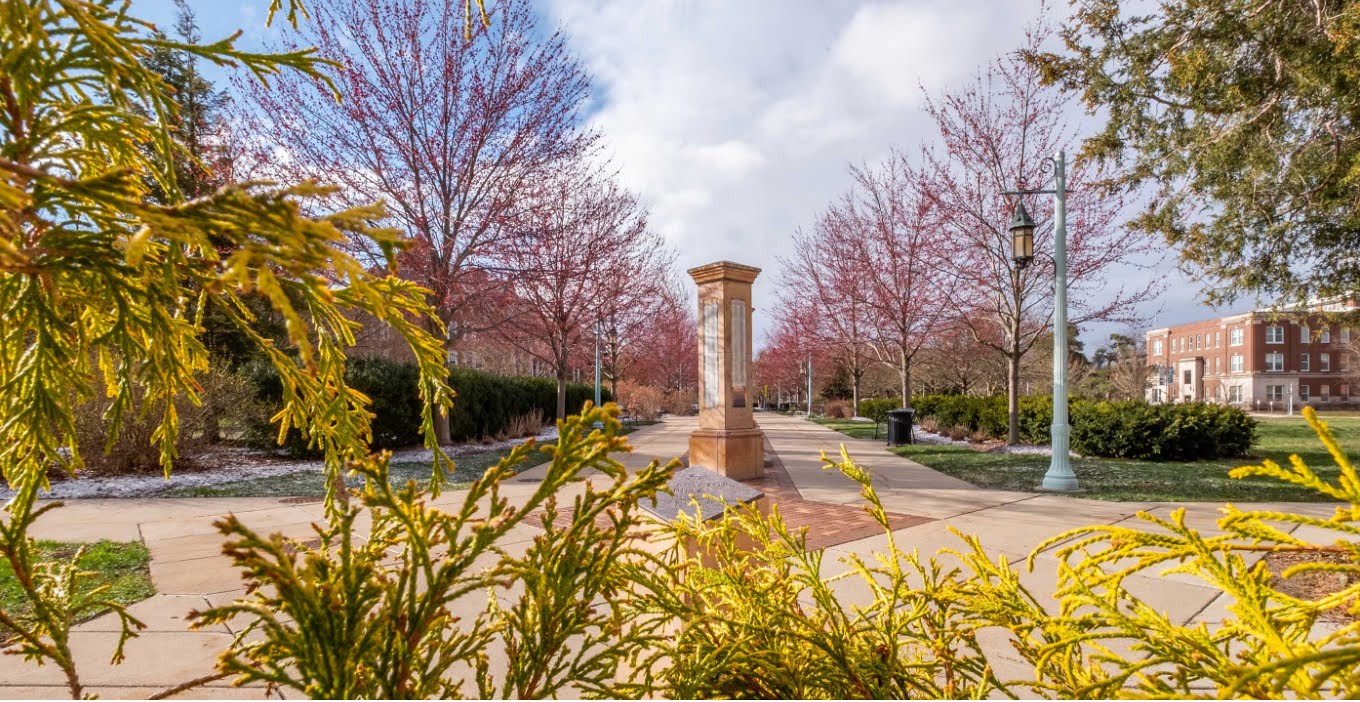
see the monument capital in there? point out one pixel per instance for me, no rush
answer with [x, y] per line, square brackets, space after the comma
[724, 270]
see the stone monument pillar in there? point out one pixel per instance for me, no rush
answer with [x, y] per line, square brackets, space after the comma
[727, 440]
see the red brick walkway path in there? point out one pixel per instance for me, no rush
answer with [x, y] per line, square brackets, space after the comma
[827, 524]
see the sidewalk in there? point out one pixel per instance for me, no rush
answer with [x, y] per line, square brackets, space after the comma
[190, 573]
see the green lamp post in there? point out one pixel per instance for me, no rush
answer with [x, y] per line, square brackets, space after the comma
[1059, 476]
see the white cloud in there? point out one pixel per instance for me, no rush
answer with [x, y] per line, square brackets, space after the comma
[736, 121]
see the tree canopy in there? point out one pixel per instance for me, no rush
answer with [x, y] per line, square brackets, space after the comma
[1242, 116]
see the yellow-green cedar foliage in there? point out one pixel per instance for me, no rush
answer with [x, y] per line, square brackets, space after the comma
[95, 280]
[766, 621]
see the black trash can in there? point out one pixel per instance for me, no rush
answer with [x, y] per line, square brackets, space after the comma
[899, 426]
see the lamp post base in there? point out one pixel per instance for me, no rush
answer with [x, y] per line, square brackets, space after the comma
[1060, 483]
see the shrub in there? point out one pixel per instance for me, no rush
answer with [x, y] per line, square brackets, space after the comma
[678, 403]
[227, 402]
[391, 386]
[972, 413]
[524, 425]
[640, 401]
[838, 409]
[1181, 432]
[1036, 419]
[1123, 429]
[877, 408]
[486, 403]
[915, 624]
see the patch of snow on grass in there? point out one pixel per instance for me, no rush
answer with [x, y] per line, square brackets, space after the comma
[234, 464]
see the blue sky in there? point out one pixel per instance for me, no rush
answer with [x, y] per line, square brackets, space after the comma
[736, 121]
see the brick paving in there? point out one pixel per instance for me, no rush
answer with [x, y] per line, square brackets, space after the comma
[827, 523]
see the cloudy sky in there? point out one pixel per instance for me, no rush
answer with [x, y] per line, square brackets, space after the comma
[736, 121]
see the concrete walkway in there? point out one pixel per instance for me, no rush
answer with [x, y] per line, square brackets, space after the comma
[189, 572]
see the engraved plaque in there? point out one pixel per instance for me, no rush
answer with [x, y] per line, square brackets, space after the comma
[738, 343]
[712, 337]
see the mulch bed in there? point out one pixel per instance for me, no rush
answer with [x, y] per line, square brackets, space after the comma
[1313, 585]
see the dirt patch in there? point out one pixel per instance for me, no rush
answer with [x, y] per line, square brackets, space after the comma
[1313, 585]
[301, 500]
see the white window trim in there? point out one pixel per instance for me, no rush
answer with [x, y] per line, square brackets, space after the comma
[1272, 356]
[1324, 363]
[1274, 334]
[1303, 333]
[1305, 366]
[1239, 334]
[1303, 393]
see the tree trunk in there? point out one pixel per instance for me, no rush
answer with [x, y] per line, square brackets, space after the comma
[1013, 395]
[905, 372]
[854, 392]
[442, 434]
[562, 392]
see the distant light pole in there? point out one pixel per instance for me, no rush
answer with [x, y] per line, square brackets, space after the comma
[1059, 475]
[597, 370]
[809, 390]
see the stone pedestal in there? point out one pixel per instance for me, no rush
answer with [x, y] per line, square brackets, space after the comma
[727, 440]
[703, 495]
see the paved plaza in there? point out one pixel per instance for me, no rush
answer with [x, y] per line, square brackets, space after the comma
[189, 572]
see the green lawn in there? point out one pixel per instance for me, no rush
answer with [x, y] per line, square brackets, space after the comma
[858, 430]
[1126, 480]
[122, 565]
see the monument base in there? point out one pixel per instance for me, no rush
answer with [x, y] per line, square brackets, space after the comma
[736, 453]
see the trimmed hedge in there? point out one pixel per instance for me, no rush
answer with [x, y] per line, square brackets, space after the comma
[392, 387]
[1193, 431]
[877, 408]
[1129, 429]
[486, 403]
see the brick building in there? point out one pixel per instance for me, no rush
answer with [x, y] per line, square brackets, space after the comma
[1256, 360]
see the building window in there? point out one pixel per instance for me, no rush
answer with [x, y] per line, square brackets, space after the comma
[1235, 337]
[1345, 335]
[1275, 362]
[1343, 360]
[1303, 333]
[1344, 390]
[1199, 341]
[1235, 393]
[1218, 339]
[1175, 345]
[1326, 393]
[1275, 393]
[1303, 393]
[1235, 363]
[1326, 335]
[1157, 347]
[1304, 363]
[1218, 366]
[1186, 376]
[1324, 362]
[1274, 334]
[1156, 395]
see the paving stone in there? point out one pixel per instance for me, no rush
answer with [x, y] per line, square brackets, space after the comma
[160, 613]
[156, 659]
